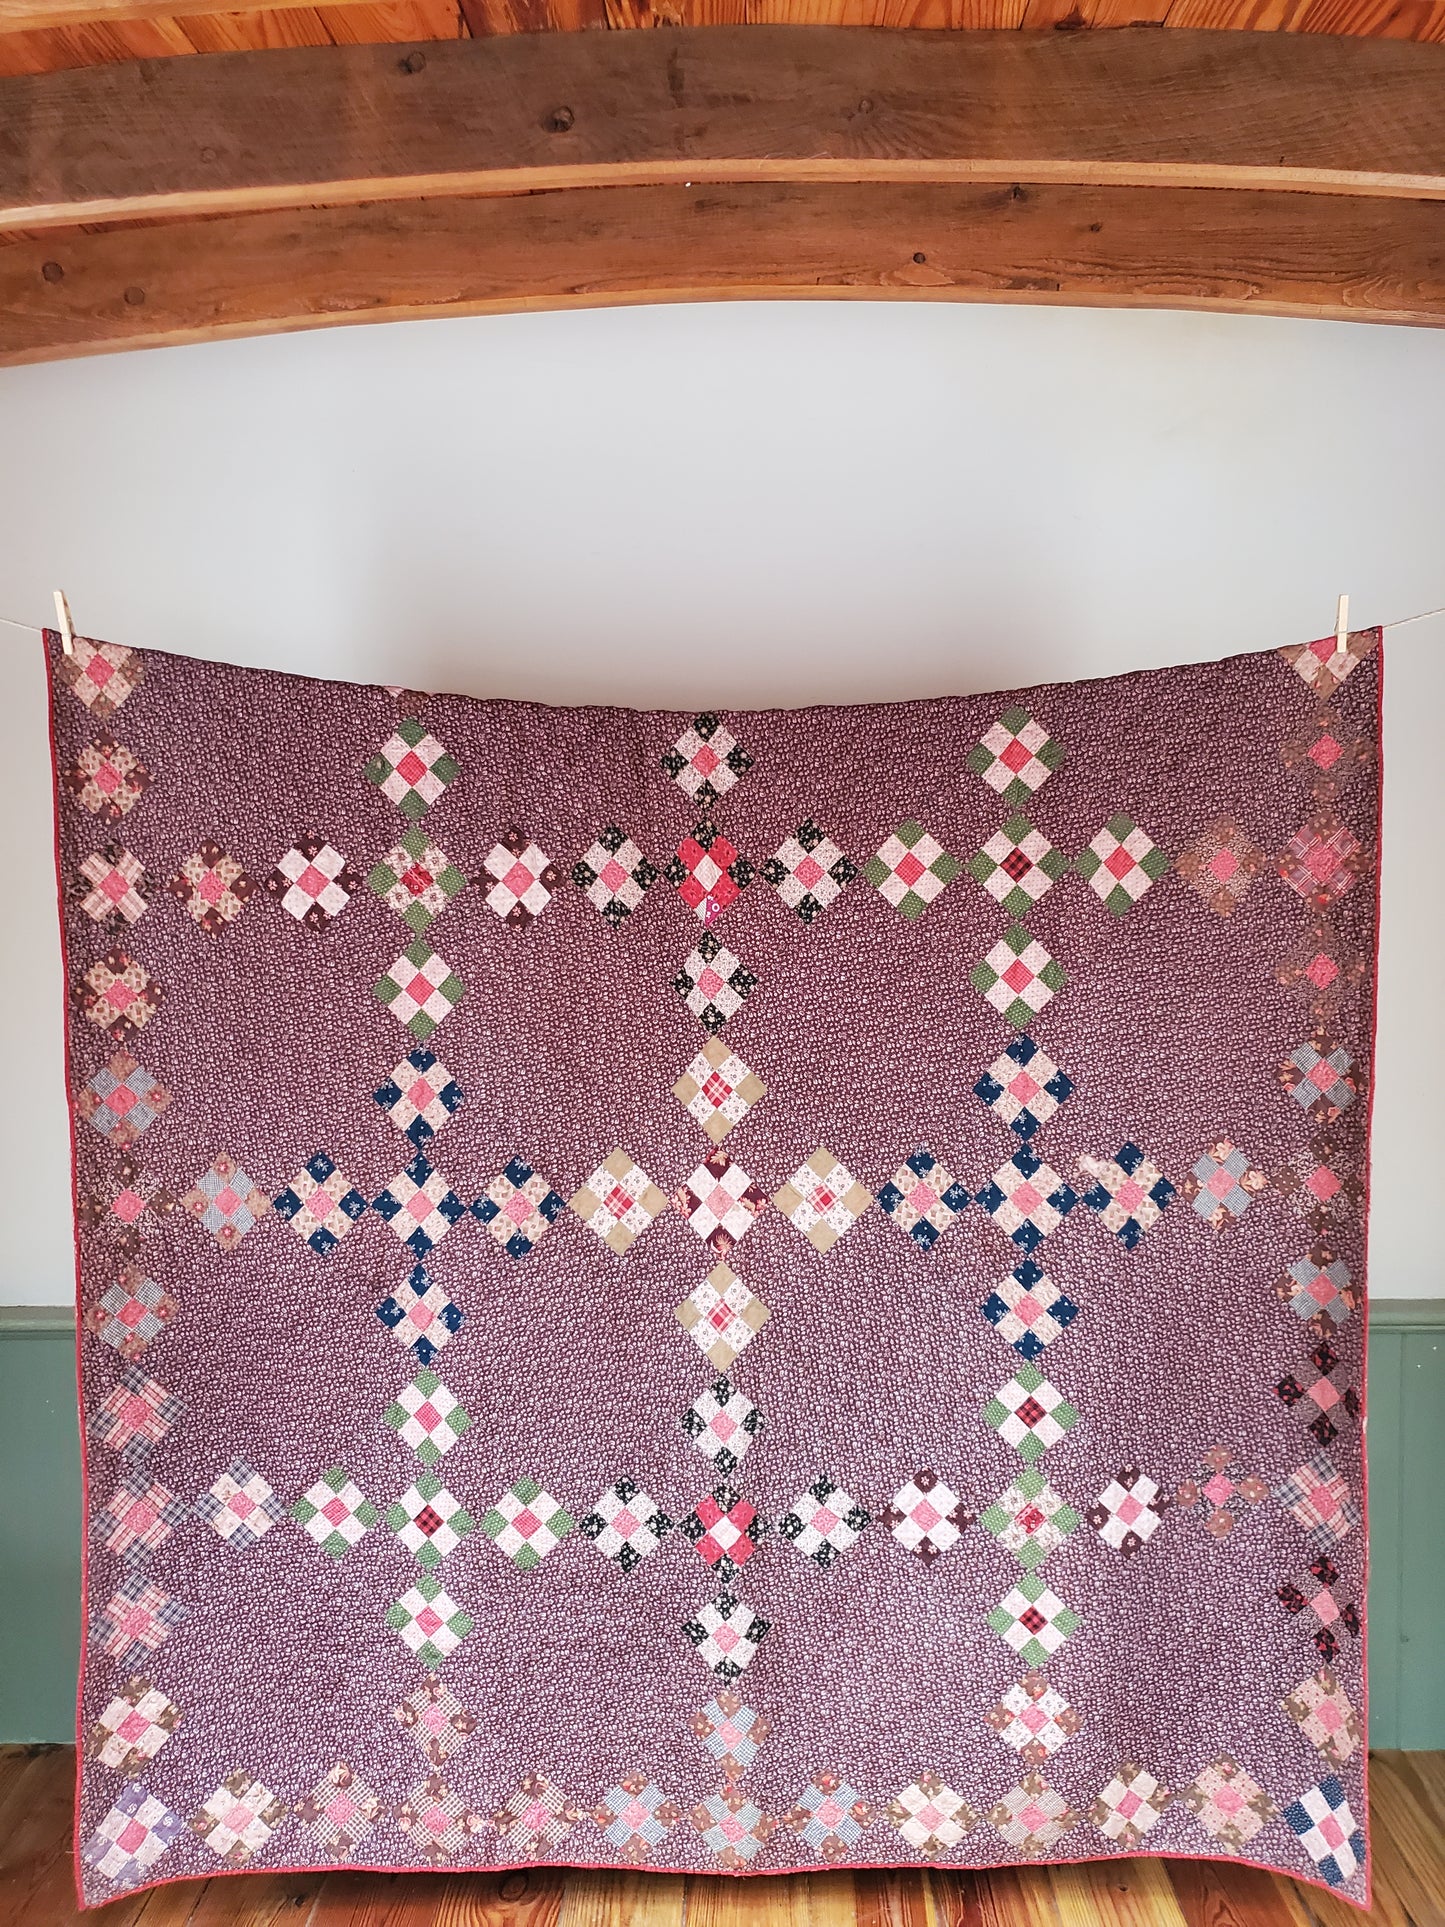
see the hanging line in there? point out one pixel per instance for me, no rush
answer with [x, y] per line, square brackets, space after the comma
[1400, 622]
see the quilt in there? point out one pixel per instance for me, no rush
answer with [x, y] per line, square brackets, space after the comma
[724, 1292]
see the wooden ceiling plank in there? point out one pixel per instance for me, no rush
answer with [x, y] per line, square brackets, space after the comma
[1267, 253]
[1399, 19]
[227, 33]
[89, 44]
[393, 20]
[1257, 16]
[292, 127]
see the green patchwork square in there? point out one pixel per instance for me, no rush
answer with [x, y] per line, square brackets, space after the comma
[1121, 863]
[911, 869]
[420, 990]
[429, 1521]
[526, 1524]
[1033, 1621]
[429, 1621]
[412, 768]
[1029, 1413]
[1030, 1519]
[1018, 976]
[335, 1512]
[417, 880]
[1017, 865]
[427, 1417]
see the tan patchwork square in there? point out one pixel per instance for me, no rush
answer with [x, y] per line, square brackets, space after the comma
[823, 1199]
[619, 1201]
[718, 1089]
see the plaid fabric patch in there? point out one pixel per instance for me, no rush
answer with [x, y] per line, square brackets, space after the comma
[537, 1816]
[135, 1414]
[239, 1505]
[1017, 866]
[1319, 1499]
[112, 887]
[136, 1621]
[139, 1517]
[340, 1811]
[122, 1100]
[619, 1201]
[224, 1201]
[722, 1316]
[132, 1312]
[635, 1816]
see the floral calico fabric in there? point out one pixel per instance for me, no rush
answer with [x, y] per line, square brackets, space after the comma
[723, 1292]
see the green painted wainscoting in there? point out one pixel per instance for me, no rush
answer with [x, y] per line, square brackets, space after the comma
[40, 1523]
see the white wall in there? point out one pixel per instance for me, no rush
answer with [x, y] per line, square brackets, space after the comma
[745, 505]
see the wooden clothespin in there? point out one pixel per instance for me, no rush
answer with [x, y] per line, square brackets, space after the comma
[1342, 622]
[62, 617]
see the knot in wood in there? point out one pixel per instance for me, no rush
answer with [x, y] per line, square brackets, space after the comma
[560, 120]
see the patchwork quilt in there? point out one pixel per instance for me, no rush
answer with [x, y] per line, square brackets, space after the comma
[721, 1292]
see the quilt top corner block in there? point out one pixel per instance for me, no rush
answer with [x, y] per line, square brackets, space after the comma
[722, 1292]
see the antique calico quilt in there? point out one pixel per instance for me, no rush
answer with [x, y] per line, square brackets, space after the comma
[721, 1292]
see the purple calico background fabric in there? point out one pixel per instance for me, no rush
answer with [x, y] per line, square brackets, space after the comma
[1029, 1519]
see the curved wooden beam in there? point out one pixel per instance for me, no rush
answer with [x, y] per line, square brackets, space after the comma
[1342, 258]
[294, 127]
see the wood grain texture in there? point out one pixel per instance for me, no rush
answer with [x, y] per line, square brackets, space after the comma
[318, 123]
[1327, 256]
[1391, 19]
[1407, 1790]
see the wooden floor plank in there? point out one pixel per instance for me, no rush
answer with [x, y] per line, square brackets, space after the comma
[1219, 1893]
[1422, 1776]
[255, 1900]
[35, 1859]
[802, 1900]
[596, 1899]
[1406, 1844]
[1122, 1893]
[895, 1897]
[15, 1764]
[525, 1897]
[379, 1900]
[996, 1897]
